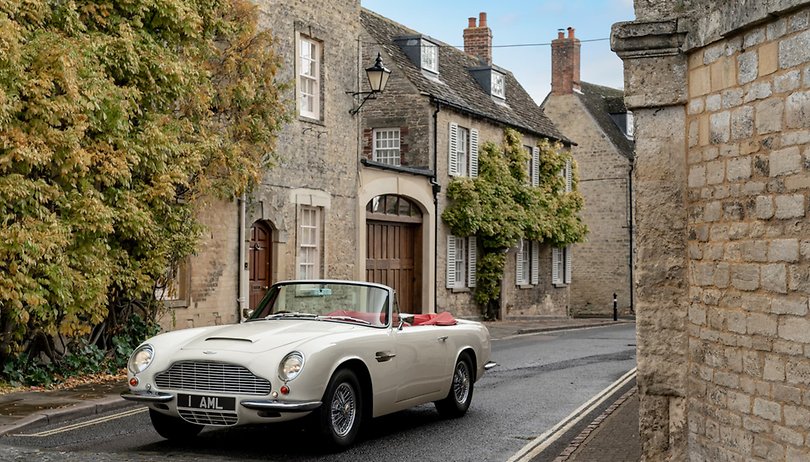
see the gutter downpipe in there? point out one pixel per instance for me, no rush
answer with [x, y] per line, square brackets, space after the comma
[436, 188]
[243, 280]
[631, 232]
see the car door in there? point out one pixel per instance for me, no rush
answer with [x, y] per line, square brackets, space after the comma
[423, 360]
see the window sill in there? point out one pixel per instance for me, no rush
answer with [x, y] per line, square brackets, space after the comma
[560, 285]
[176, 303]
[460, 290]
[525, 286]
[304, 118]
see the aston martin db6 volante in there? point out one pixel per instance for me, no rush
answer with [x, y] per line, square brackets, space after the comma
[336, 352]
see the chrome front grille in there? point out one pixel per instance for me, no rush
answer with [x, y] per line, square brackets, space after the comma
[212, 376]
[208, 417]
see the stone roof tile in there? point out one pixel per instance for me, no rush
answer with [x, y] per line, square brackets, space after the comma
[456, 86]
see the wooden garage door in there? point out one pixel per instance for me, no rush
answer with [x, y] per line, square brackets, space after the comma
[393, 249]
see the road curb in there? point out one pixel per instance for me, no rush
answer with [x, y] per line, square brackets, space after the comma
[75, 411]
[565, 456]
[535, 330]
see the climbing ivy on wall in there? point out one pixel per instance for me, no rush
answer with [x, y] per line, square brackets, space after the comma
[500, 207]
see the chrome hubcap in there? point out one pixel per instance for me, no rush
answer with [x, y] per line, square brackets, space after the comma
[344, 409]
[461, 382]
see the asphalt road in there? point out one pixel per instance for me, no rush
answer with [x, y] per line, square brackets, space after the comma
[540, 380]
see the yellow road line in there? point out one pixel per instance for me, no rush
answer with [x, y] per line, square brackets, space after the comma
[96, 421]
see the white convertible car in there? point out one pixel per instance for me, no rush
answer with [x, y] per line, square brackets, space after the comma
[338, 352]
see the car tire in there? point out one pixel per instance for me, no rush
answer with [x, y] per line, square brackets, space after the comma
[342, 410]
[461, 390]
[173, 428]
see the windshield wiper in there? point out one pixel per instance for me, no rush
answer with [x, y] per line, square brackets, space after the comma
[345, 318]
[287, 314]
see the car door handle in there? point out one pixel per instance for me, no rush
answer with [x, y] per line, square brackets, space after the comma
[443, 338]
[383, 356]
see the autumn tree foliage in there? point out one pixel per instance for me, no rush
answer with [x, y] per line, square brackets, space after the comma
[117, 119]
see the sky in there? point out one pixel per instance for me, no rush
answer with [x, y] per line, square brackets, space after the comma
[519, 22]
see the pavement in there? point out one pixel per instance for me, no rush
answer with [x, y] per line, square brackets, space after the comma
[597, 443]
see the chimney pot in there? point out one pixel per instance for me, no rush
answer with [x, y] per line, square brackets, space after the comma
[565, 63]
[478, 40]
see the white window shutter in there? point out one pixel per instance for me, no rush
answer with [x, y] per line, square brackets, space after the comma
[452, 156]
[473, 152]
[451, 261]
[472, 261]
[535, 253]
[535, 166]
[568, 264]
[555, 265]
[519, 263]
[569, 176]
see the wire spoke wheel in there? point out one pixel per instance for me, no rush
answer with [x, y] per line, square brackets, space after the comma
[343, 409]
[459, 397]
[461, 382]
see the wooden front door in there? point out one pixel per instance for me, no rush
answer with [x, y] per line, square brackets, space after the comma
[259, 259]
[391, 259]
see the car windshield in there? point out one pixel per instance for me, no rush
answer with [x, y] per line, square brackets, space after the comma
[325, 301]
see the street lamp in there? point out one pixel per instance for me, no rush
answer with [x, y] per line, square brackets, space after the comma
[377, 79]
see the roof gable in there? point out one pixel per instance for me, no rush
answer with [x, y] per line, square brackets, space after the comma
[601, 102]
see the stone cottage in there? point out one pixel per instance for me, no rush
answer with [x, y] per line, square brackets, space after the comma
[721, 97]
[596, 119]
[440, 106]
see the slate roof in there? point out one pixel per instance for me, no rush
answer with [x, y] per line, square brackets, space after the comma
[456, 87]
[600, 102]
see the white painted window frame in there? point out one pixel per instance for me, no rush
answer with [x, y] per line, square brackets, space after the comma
[462, 258]
[430, 56]
[391, 138]
[309, 243]
[461, 145]
[309, 52]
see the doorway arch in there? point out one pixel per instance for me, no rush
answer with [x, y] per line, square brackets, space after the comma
[394, 248]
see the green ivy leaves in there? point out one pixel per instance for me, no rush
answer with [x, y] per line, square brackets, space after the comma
[500, 206]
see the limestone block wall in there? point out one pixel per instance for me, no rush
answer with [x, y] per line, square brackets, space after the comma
[749, 244]
[721, 95]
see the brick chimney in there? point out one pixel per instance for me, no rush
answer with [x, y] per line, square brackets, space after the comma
[478, 39]
[565, 63]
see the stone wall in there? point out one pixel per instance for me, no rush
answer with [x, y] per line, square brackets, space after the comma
[721, 97]
[601, 264]
[749, 243]
[316, 164]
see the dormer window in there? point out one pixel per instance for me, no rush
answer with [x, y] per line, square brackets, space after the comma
[430, 57]
[629, 131]
[492, 80]
[422, 52]
[624, 120]
[498, 85]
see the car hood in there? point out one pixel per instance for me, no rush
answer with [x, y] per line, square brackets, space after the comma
[262, 336]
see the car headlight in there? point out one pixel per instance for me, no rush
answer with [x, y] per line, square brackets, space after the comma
[141, 358]
[291, 366]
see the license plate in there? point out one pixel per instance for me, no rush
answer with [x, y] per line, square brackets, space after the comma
[210, 403]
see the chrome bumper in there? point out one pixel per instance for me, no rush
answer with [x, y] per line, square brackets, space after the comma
[279, 406]
[147, 396]
[489, 365]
